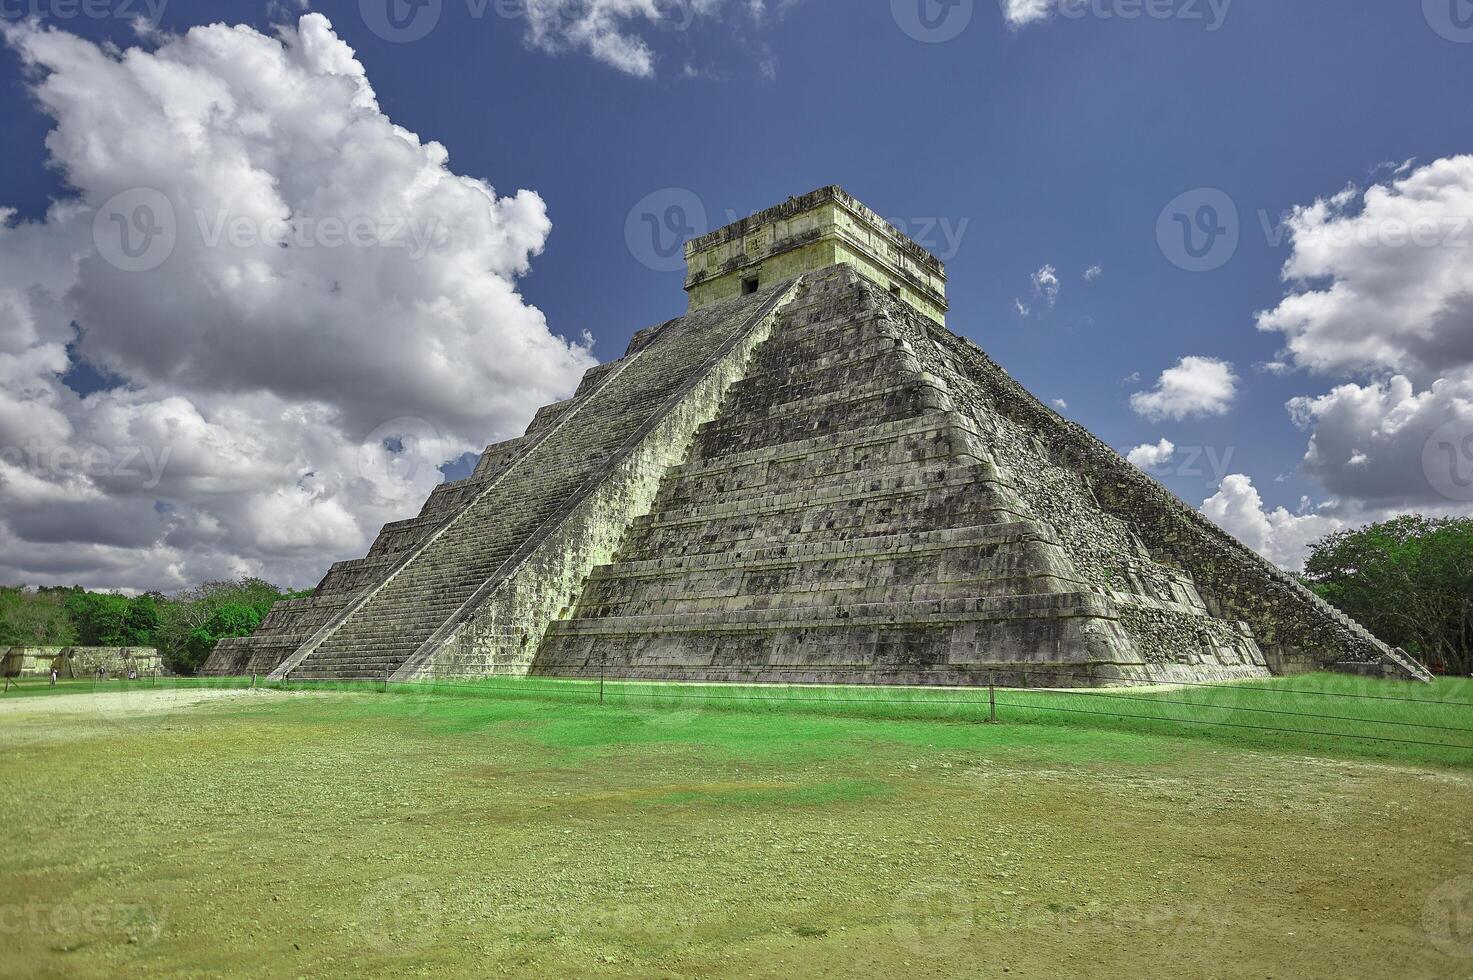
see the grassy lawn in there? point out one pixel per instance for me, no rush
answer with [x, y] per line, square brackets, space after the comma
[526, 830]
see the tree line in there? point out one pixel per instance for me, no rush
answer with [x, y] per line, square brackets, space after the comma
[1409, 581]
[184, 627]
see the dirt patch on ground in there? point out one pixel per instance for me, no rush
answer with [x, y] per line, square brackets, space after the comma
[112, 700]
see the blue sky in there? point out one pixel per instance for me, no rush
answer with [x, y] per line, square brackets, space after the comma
[1055, 141]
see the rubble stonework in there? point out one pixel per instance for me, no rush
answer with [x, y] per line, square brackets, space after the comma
[814, 482]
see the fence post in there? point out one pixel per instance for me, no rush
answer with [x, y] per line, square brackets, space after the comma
[602, 661]
[387, 670]
[253, 681]
[991, 701]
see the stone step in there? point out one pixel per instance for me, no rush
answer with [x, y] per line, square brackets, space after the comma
[444, 565]
[756, 555]
[942, 512]
[1065, 605]
[837, 382]
[810, 364]
[1072, 629]
[914, 434]
[680, 495]
[961, 481]
[1007, 559]
[771, 592]
[809, 417]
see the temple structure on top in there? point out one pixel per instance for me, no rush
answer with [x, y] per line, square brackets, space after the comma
[808, 233]
[807, 477]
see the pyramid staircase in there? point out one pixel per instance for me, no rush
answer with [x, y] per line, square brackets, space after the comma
[842, 517]
[425, 575]
[813, 480]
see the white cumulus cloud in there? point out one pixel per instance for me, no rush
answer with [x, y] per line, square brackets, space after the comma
[1369, 442]
[1280, 536]
[1149, 456]
[1382, 279]
[327, 313]
[1194, 386]
[1381, 296]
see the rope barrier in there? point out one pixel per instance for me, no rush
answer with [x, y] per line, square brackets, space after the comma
[600, 683]
[481, 669]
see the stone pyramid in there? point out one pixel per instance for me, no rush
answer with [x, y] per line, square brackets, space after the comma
[807, 478]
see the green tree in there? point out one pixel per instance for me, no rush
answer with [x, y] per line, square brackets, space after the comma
[184, 627]
[1407, 580]
[100, 618]
[34, 618]
[188, 629]
[141, 621]
[230, 619]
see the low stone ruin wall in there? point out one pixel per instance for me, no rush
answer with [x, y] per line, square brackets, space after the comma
[80, 661]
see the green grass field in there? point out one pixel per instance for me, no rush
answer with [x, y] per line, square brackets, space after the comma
[1322, 714]
[523, 829]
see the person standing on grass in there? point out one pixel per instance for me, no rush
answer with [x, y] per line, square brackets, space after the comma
[53, 675]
